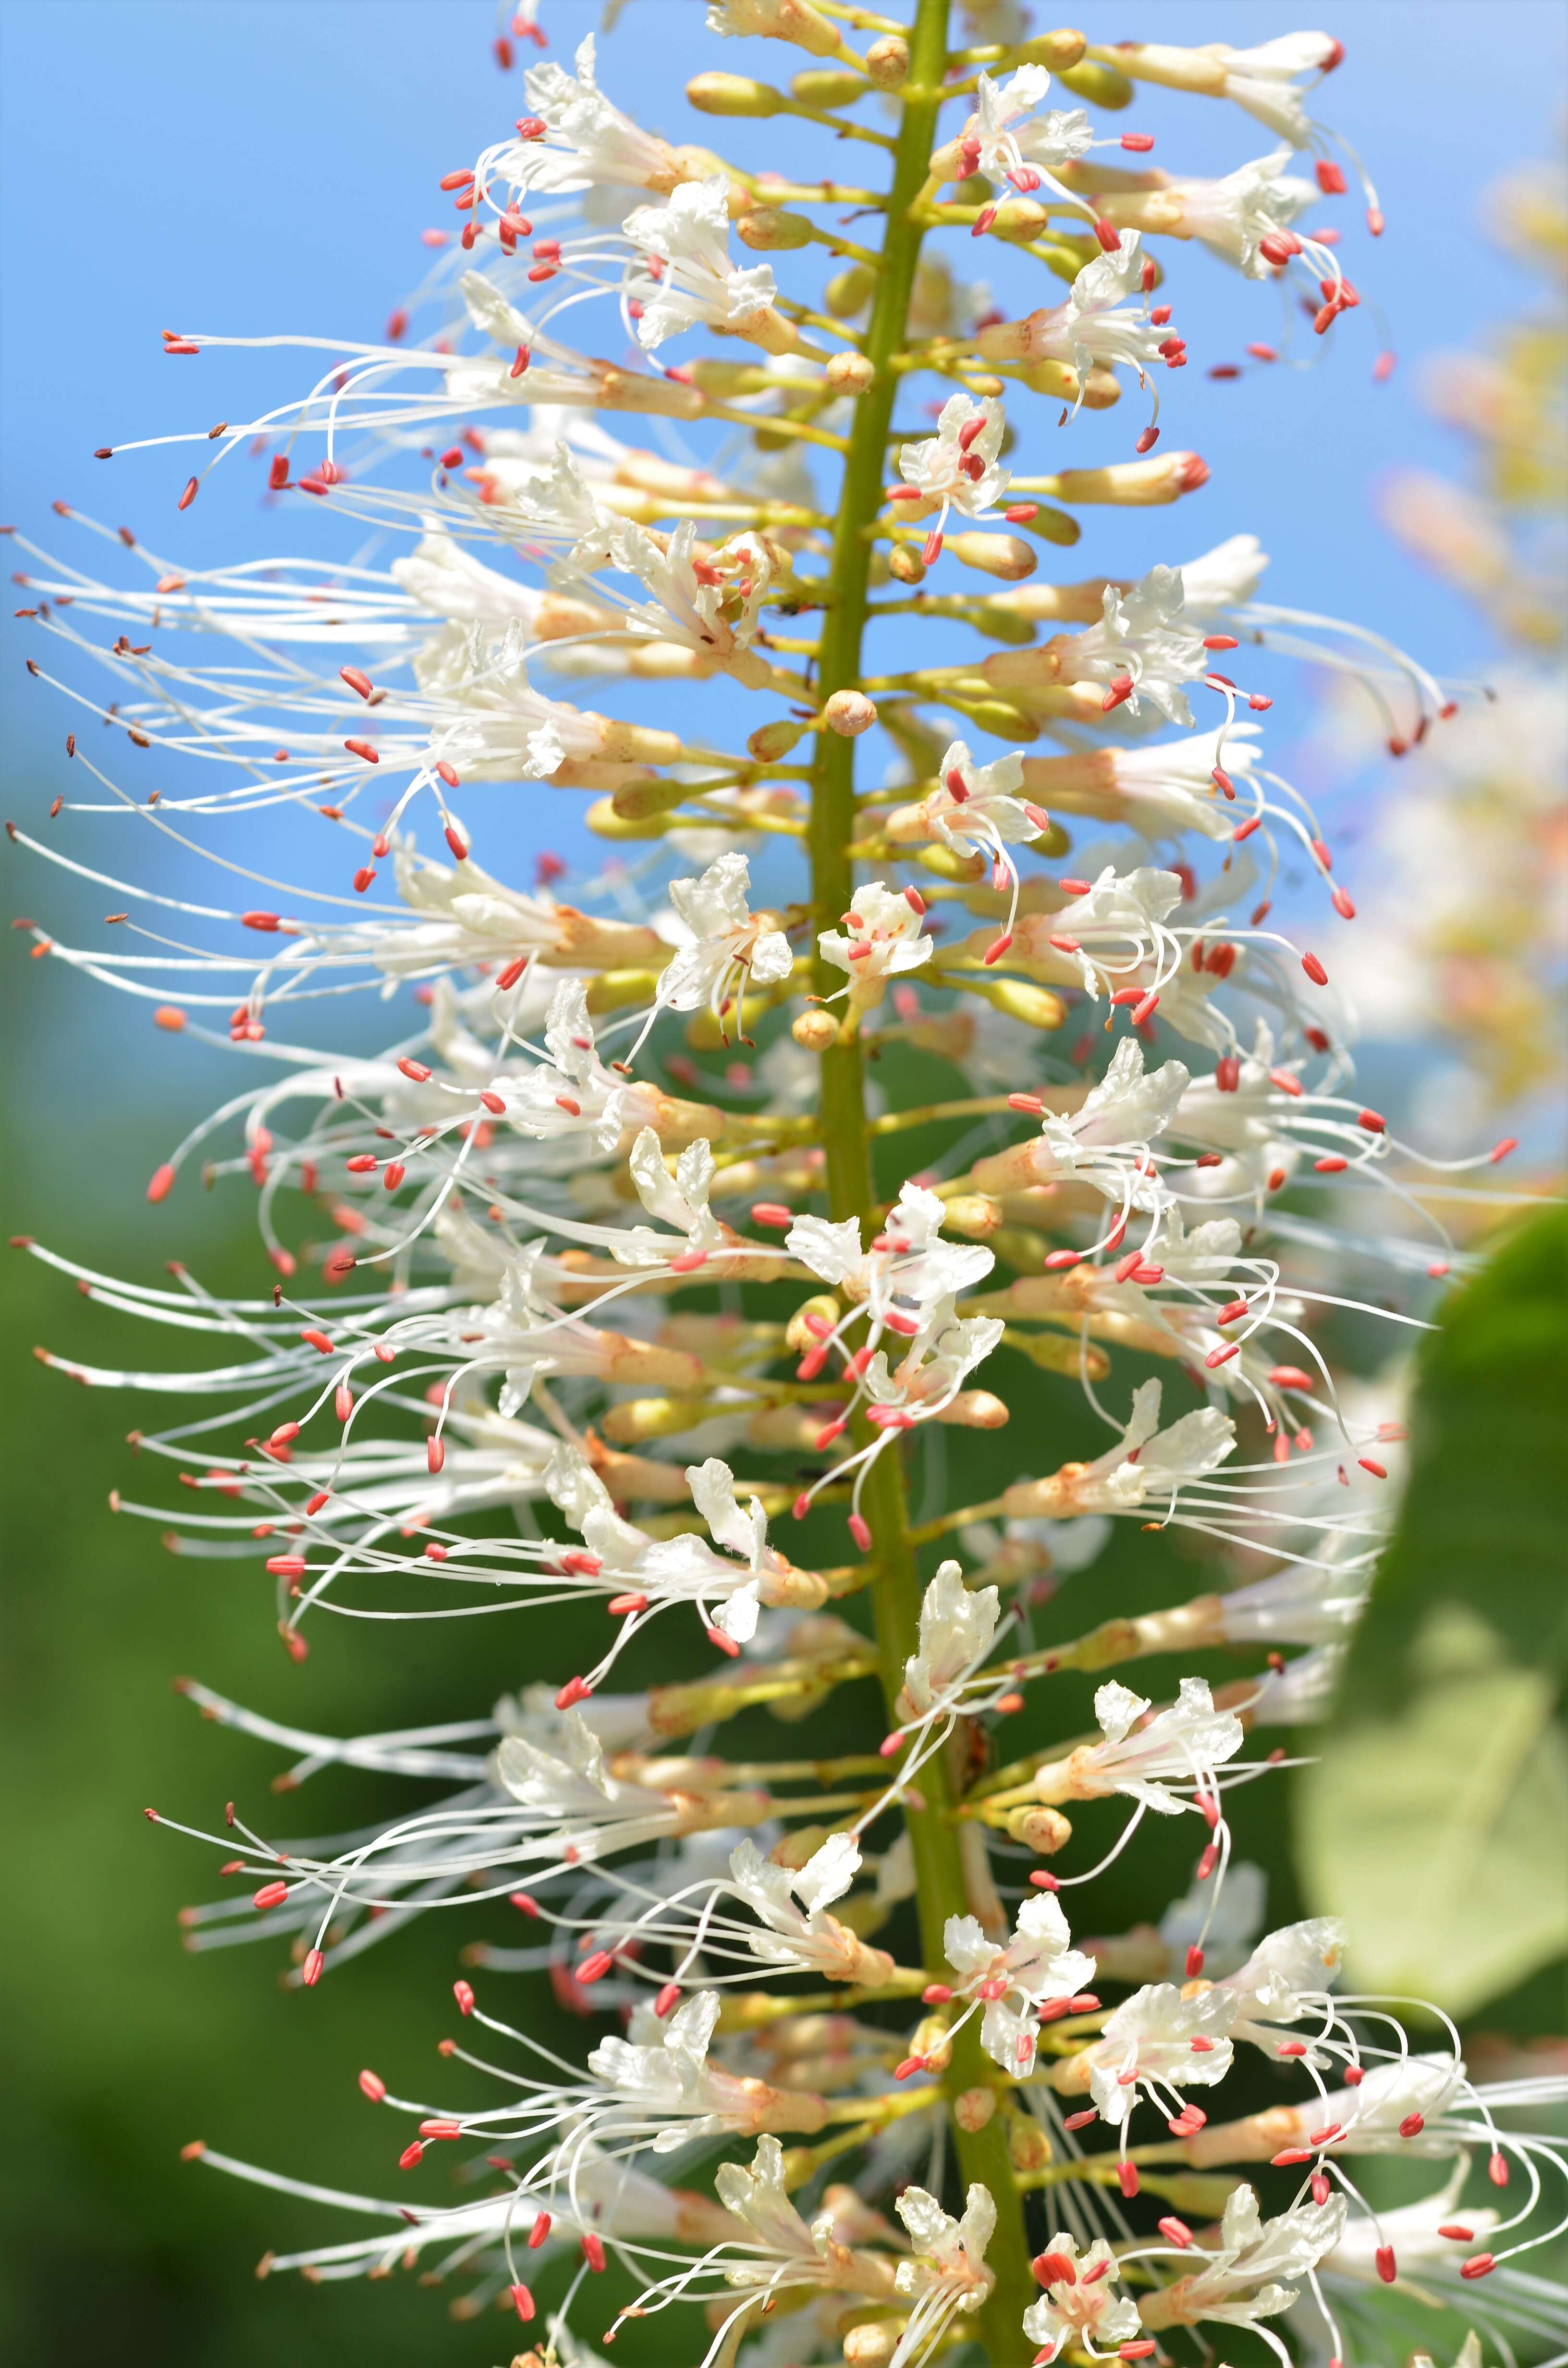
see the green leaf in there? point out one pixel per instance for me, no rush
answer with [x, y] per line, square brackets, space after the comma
[1433, 1821]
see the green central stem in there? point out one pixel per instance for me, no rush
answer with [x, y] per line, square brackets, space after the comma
[942, 1890]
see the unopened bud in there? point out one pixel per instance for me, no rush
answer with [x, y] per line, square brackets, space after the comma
[1052, 526]
[638, 1419]
[796, 21]
[1037, 1006]
[1003, 555]
[1042, 1830]
[768, 229]
[873, 2345]
[886, 62]
[1101, 86]
[1058, 51]
[849, 293]
[974, 2109]
[849, 712]
[728, 94]
[906, 564]
[849, 373]
[972, 1215]
[606, 820]
[930, 2043]
[826, 86]
[635, 801]
[811, 1322]
[769, 742]
[1029, 2148]
[816, 1031]
[1003, 722]
[728, 379]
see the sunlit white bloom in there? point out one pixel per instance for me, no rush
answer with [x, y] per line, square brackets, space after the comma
[948, 2278]
[712, 606]
[957, 1626]
[1233, 216]
[1158, 788]
[1080, 2302]
[582, 139]
[1145, 637]
[1237, 2282]
[791, 1906]
[684, 275]
[667, 2093]
[679, 1201]
[1286, 1976]
[1303, 1604]
[1223, 579]
[1148, 2044]
[1036, 1970]
[1415, 2233]
[726, 948]
[957, 467]
[1005, 133]
[1267, 79]
[885, 938]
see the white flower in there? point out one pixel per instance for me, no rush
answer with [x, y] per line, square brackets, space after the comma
[711, 608]
[1128, 1108]
[1223, 579]
[575, 1096]
[759, 2198]
[1090, 327]
[948, 2277]
[1370, 2116]
[1081, 2300]
[585, 141]
[1233, 216]
[1236, 2282]
[679, 1200]
[1412, 2230]
[957, 467]
[885, 940]
[1004, 136]
[792, 1904]
[1150, 2039]
[1286, 1977]
[973, 807]
[671, 2090]
[956, 1631]
[1156, 788]
[1037, 1968]
[1263, 79]
[1145, 637]
[1182, 1745]
[684, 275]
[909, 1270]
[1306, 1603]
[726, 946]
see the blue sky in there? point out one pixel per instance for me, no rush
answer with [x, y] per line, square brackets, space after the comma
[211, 164]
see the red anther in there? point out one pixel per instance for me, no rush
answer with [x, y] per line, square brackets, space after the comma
[1263, 353]
[1342, 904]
[914, 900]
[1324, 319]
[1053, 2268]
[1326, 2135]
[524, 1902]
[371, 2085]
[1144, 1010]
[1108, 235]
[1044, 1882]
[1218, 1357]
[523, 358]
[725, 1644]
[1143, 2348]
[811, 1364]
[364, 878]
[983, 222]
[1314, 970]
[1501, 1150]
[1439, 1268]
[1331, 178]
[361, 1163]
[1081, 2120]
[414, 1070]
[1316, 1039]
[1065, 945]
[522, 2301]
[860, 1531]
[1202, 2046]
[1375, 221]
[453, 459]
[1331, 1165]
[688, 1261]
[1286, 1082]
[1291, 2048]
[1353, 2074]
[285, 1566]
[1287, 2156]
[356, 680]
[513, 973]
[1055, 1260]
[1139, 142]
[595, 1966]
[410, 2155]
[1497, 2170]
[910, 2064]
[1207, 1863]
[1148, 276]
[931, 548]
[1413, 2125]
[394, 1174]
[314, 1504]
[1022, 512]
[1387, 2268]
[1193, 1962]
[773, 1214]
[1134, 1259]
[998, 948]
[278, 474]
[969, 431]
[1480, 2265]
[1127, 2180]
[531, 126]
[1258, 704]
[315, 1339]
[193, 484]
[1234, 1313]
[1377, 1471]
[271, 1895]
[457, 842]
[1160, 316]
[575, 1690]
[439, 2128]
[583, 1565]
[1147, 440]
[161, 1182]
[1225, 370]
[1121, 688]
[309, 1972]
[363, 750]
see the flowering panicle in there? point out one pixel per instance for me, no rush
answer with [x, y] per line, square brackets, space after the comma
[574, 1305]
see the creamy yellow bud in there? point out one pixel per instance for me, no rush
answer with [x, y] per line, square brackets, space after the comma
[974, 1215]
[872, 2345]
[815, 1030]
[849, 712]
[1029, 2148]
[1042, 1830]
[1101, 85]
[1058, 51]
[1002, 721]
[972, 2108]
[1003, 555]
[947, 863]
[930, 2041]
[767, 230]
[849, 292]
[1052, 526]
[637, 744]
[635, 801]
[1020, 997]
[796, 21]
[728, 94]
[827, 86]
[1130, 484]
[606, 820]
[906, 564]
[727, 379]
[614, 989]
[1055, 1353]
[849, 373]
[800, 1334]
[620, 390]
[769, 742]
[635, 1419]
[886, 62]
